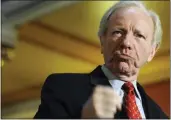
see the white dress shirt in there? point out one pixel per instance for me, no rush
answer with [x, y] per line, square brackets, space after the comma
[117, 84]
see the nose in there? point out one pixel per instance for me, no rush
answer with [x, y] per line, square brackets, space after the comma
[126, 42]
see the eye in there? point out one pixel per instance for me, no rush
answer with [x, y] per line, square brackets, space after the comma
[117, 33]
[140, 36]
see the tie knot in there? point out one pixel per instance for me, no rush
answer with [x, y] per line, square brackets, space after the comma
[128, 87]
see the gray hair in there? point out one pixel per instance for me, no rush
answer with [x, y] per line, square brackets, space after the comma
[125, 4]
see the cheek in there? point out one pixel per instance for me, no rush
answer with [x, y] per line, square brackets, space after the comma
[112, 43]
[142, 53]
[108, 48]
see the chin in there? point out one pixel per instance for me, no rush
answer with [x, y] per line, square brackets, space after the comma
[122, 72]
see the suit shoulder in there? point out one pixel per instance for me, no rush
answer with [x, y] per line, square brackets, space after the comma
[66, 86]
[157, 107]
[60, 79]
[152, 102]
[66, 76]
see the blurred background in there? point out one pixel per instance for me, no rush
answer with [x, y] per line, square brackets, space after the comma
[44, 37]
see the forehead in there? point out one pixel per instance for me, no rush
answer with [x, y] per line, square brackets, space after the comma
[131, 16]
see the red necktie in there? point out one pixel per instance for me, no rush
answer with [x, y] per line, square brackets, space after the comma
[130, 103]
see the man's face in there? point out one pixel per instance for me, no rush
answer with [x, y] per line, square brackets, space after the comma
[127, 43]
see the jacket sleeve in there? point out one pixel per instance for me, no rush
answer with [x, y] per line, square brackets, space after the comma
[51, 105]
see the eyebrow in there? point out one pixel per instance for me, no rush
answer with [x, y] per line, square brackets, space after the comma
[139, 31]
[119, 28]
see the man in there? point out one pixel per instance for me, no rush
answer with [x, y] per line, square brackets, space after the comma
[130, 36]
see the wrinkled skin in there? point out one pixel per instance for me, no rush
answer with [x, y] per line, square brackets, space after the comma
[127, 43]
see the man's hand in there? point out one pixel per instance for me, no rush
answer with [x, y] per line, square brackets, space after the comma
[103, 103]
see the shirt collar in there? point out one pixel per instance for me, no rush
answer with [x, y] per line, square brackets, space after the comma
[115, 82]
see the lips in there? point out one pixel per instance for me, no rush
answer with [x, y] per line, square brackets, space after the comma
[124, 57]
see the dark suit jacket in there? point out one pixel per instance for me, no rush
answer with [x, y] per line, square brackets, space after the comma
[64, 95]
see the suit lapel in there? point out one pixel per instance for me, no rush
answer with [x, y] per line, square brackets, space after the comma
[149, 109]
[98, 77]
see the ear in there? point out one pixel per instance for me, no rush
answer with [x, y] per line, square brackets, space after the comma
[153, 52]
[102, 38]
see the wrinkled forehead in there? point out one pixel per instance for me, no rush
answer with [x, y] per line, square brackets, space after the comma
[134, 14]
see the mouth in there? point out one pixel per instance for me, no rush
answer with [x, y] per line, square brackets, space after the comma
[123, 57]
